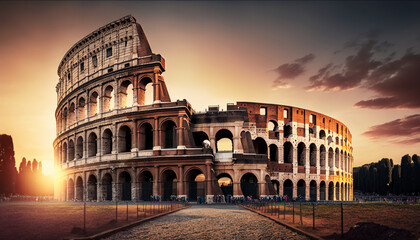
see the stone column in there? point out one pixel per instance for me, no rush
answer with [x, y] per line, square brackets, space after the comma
[209, 188]
[156, 135]
[281, 154]
[180, 186]
[307, 190]
[295, 160]
[156, 181]
[180, 133]
[99, 144]
[318, 191]
[307, 161]
[98, 186]
[156, 85]
[136, 90]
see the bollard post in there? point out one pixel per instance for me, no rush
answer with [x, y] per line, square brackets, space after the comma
[313, 215]
[293, 212]
[116, 210]
[127, 211]
[342, 222]
[301, 222]
[84, 217]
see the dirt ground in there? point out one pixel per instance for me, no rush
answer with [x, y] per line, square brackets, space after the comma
[53, 220]
[328, 217]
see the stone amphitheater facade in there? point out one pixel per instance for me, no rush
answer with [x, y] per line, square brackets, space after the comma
[114, 143]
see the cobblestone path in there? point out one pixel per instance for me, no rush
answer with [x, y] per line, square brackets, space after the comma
[210, 222]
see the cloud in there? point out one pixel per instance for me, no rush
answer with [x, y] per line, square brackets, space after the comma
[289, 71]
[403, 131]
[394, 80]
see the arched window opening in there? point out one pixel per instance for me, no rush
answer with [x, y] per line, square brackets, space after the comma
[107, 187]
[224, 141]
[225, 182]
[199, 138]
[312, 191]
[71, 151]
[301, 190]
[195, 180]
[72, 114]
[288, 189]
[249, 185]
[322, 191]
[107, 142]
[342, 192]
[124, 190]
[79, 189]
[301, 154]
[92, 145]
[260, 146]
[108, 99]
[81, 109]
[337, 157]
[64, 152]
[124, 139]
[92, 188]
[93, 104]
[70, 189]
[169, 182]
[79, 148]
[272, 126]
[273, 153]
[330, 158]
[146, 136]
[337, 191]
[331, 191]
[322, 156]
[312, 155]
[146, 185]
[126, 94]
[322, 134]
[64, 117]
[288, 152]
[145, 92]
[169, 135]
[287, 130]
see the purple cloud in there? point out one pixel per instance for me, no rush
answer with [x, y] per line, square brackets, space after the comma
[291, 70]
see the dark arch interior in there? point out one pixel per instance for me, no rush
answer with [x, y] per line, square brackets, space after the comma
[260, 146]
[125, 186]
[124, 139]
[169, 135]
[249, 185]
[225, 183]
[107, 187]
[146, 137]
[169, 184]
[288, 189]
[199, 137]
[196, 184]
[146, 185]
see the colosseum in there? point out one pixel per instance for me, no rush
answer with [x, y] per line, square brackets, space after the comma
[120, 137]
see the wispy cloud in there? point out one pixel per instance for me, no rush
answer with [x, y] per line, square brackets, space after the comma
[291, 70]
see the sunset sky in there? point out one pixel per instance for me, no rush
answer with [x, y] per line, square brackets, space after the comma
[358, 62]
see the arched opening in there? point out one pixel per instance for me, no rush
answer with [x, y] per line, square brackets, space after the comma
[196, 184]
[81, 109]
[169, 134]
[79, 148]
[345, 192]
[288, 152]
[224, 141]
[71, 151]
[273, 153]
[107, 187]
[342, 192]
[226, 184]
[146, 185]
[301, 189]
[125, 94]
[92, 188]
[107, 142]
[72, 114]
[343, 165]
[260, 146]
[337, 157]
[199, 138]
[93, 104]
[124, 139]
[287, 131]
[64, 152]
[145, 92]
[330, 158]
[169, 181]
[249, 185]
[146, 136]
[337, 191]
[124, 191]
[322, 134]
[331, 191]
[312, 155]
[64, 117]
[301, 154]
[322, 156]
[108, 99]
[288, 189]
[272, 126]
[70, 193]
[92, 145]
[312, 190]
[79, 189]
[322, 191]
[276, 186]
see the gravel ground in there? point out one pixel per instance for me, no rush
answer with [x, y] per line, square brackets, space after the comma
[210, 222]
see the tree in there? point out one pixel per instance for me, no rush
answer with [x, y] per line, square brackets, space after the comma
[396, 180]
[406, 177]
[416, 174]
[7, 165]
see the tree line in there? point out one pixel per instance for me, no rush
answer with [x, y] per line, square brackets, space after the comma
[28, 181]
[383, 177]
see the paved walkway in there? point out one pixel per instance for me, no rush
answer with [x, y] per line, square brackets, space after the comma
[210, 222]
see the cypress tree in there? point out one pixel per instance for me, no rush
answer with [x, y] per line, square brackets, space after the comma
[416, 174]
[406, 178]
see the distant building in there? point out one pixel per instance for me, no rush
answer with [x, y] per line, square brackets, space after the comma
[114, 145]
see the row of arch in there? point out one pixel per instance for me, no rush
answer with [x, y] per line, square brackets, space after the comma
[332, 192]
[288, 130]
[94, 103]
